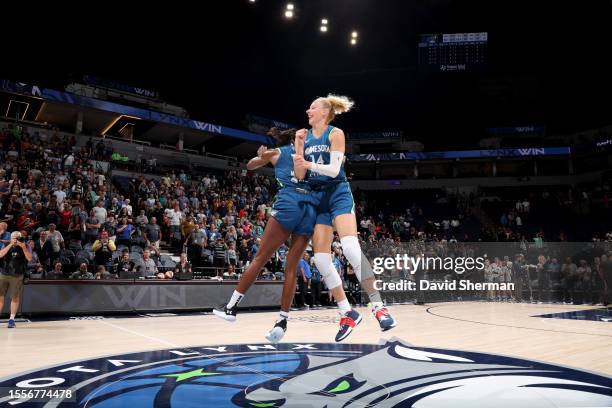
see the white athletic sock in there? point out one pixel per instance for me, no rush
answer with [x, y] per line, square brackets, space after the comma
[377, 305]
[236, 298]
[284, 315]
[344, 306]
[12, 316]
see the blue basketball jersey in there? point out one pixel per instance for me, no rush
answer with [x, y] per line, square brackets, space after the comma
[318, 150]
[283, 169]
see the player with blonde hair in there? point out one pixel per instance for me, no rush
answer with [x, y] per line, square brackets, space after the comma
[320, 158]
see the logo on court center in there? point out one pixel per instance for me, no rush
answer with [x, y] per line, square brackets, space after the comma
[314, 375]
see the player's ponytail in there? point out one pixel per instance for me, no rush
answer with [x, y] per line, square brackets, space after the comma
[282, 136]
[336, 104]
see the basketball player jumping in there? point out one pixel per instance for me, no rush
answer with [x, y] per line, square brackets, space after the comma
[293, 213]
[320, 157]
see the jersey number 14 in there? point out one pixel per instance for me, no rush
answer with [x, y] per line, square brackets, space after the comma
[319, 161]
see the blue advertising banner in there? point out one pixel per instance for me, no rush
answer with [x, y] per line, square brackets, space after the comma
[268, 122]
[102, 83]
[20, 87]
[462, 154]
[69, 98]
[518, 130]
[390, 136]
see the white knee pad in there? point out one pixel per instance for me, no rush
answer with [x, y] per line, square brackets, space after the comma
[352, 251]
[323, 262]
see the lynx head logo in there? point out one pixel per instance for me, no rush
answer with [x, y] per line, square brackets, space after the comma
[393, 374]
[397, 375]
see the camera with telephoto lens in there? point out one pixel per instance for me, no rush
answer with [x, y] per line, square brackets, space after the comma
[21, 239]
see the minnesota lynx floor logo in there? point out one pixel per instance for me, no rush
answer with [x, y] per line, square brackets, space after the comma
[309, 375]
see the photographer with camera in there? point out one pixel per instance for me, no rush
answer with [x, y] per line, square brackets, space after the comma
[15, 257]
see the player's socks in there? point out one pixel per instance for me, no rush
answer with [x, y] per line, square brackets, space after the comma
[344, 306]
[235, 299]
[284, 315]
[375, 298]
[376, 304]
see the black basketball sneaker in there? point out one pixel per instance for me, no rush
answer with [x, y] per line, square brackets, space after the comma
[278, 331]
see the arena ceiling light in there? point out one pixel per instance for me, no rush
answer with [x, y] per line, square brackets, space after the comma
[289, 10]
[354, 36]
[323, 27]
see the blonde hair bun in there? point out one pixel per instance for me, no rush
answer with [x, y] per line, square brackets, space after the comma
[339, 104]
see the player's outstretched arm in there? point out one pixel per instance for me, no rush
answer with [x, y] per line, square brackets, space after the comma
[264, 156]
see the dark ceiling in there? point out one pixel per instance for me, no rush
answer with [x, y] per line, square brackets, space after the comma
[548, 61]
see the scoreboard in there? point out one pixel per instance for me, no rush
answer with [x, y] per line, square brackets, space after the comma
[453, 52]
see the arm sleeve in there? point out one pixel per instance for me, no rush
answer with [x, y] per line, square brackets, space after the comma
[333, 168]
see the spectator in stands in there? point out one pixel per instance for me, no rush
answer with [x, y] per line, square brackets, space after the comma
[183, 267]
[315, 285]
[142, 220]
[195, 243]
[5, 236]
[152, 233]
[100, 212]
[244, 252]
[187, 227]
[553, 272]
[77, 188]
[174, 219]
[206, 259]
[65, 216]
[60, 195]
[147, 266]
[57, 243]
[15, 257]
[128, 207]
[568, 279]
[103, 249]
[43, 248]
[125, 230]
[231, 273]
[82, 272]
[56, 273]
[219, 250]
[232, 257]
[586, 281]
[303, 280]
[102, 273]
[124, 264]
[92, 227]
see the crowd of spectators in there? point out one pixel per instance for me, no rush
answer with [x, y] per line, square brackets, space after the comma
[81, 224]
[559, 272]
[550, 214]
[73, 216]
